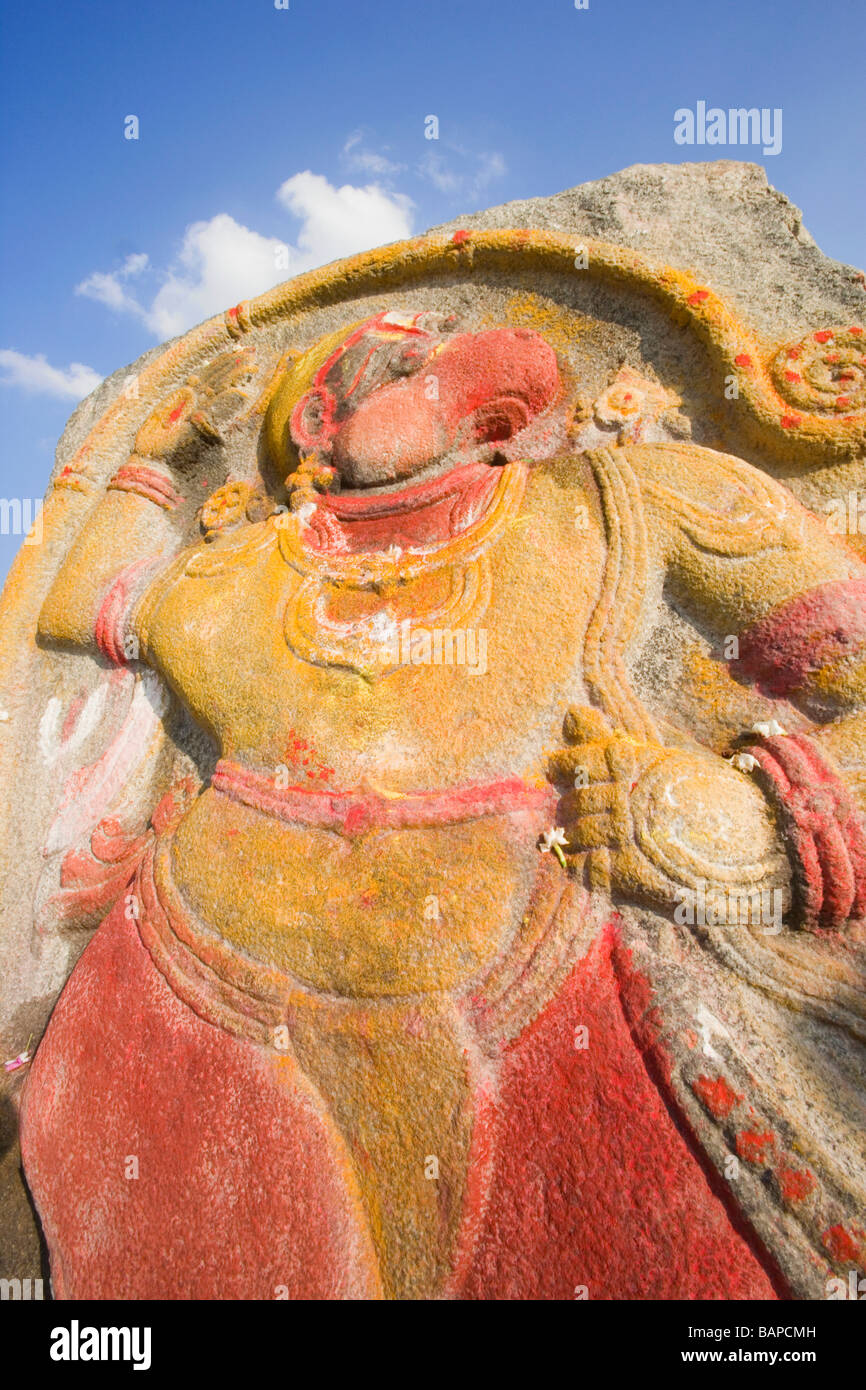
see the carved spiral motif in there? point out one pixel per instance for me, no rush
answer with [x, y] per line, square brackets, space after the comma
[825, 373]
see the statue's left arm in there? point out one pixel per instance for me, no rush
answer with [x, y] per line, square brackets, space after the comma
[787, 602]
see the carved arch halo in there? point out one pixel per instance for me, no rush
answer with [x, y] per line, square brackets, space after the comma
[784, 387]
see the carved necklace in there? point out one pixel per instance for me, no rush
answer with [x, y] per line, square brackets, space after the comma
[470, 507]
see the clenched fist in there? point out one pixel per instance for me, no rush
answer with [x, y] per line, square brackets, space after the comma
[644, 822]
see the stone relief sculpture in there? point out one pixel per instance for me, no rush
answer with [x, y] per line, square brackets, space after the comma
[467, 781]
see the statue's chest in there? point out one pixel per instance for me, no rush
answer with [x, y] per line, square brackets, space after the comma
[441, 661]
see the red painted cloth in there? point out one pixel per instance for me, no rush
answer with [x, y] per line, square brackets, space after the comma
[244, 1191]
[595, 1186]
[241, 1189]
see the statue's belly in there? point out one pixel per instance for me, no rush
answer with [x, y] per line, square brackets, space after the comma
[389, 912]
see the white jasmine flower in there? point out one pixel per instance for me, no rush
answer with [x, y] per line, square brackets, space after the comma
[553, 841]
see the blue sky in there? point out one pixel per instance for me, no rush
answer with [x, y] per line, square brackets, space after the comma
[305, 127]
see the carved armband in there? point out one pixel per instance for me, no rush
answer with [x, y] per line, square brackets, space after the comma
[147, 482]
[113, 631]
[823, 827]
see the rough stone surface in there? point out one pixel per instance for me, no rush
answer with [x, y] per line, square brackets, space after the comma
[324, 859]
[709, 218]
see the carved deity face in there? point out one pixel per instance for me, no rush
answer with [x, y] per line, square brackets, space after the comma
[401, 394]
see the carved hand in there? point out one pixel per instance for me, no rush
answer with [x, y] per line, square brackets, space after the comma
[646, 822]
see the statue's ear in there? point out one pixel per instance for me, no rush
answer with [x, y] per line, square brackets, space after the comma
[499, 419]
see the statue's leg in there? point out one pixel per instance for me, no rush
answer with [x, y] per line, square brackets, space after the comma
[412, 1096]
[170, 1159]
[597, 1190]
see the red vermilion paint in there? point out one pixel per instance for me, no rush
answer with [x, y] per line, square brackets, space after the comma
[716, 1095]
[795, 1184]
[753, 1147]
[845, 1246]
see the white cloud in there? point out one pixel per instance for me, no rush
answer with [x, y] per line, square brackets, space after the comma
[221, 261]
[434, 167]
[368, 161]
[467, 182]
[109, 288]
[37, 375]
[338, 221]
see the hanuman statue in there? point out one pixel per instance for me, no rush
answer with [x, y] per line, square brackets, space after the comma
[477, 963]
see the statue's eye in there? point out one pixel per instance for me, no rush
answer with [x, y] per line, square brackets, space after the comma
[405, 360]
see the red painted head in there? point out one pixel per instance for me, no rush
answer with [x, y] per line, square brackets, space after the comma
[401, 393]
